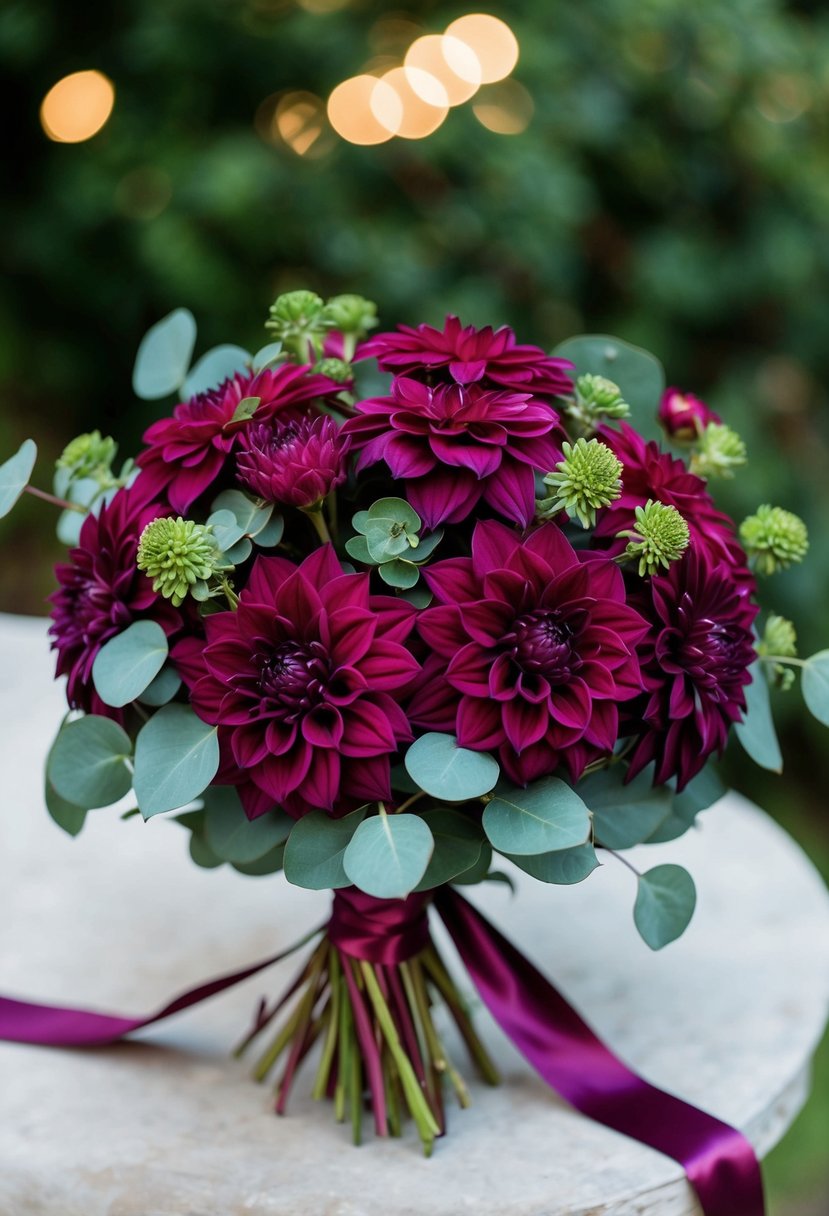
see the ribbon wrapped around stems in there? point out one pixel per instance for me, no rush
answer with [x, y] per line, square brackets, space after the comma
[719, 1161]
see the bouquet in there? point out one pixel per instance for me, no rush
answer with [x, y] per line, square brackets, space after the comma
[379, 610]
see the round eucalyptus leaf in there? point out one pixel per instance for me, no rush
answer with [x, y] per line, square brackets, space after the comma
[756, 731]
[69, 526]
[458, 845]
[162, 689]
[272, 532]
[214, 367]
[396, 511]
[316, 847]
[388, 854]
[267, 355]
[128, 663]
[815, 686]
[234, 837]
[176, 758]
[565, 867]
[449, 772]
[543, 818]
[269, 863]
[399, 573]
[70, 818]
[357, 548]
[202, 854]
[237, 554]
[226, 529]
[699, 794]
[250, 514]
[164, 356]
[624, 814]
[477, 873]
[639, 374]
[15, 474]
[87, 765]
[665, 902]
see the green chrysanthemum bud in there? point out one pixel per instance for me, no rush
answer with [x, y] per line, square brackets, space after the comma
[178, 555]
[660, 537]
[719, 453]
[335, 369]
[597, 396]
[89, 455]
[350, 314]
[774, 538]
[587, 478]
[295, 312]
[779, 640]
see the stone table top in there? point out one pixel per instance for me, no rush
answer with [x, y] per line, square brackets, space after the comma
[120, 919]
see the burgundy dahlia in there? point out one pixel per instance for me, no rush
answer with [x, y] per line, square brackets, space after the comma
[293, 463]
[649, 473]
[101, 592]
[683, 415]
[188, 451]
[467, 355]
[454, 445]
[533, 647]
[303, 681]
[695, 663]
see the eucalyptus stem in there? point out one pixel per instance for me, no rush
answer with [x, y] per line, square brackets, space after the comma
[779, 658]
[62, 503]
[320, 526]
[623, 860]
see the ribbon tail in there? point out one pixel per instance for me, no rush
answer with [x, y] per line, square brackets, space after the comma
[719, 1161]
[54, 1026]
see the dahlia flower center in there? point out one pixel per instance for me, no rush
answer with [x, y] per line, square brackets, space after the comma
[292, 678]
[714, 648]
[544, 642]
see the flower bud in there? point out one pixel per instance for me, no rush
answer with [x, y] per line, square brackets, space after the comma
[774, 538]
[779, 640]
[660, 537]
[683, 415]
[178, 555]
[350, 314]
[335, 369]
[596, 397]
[296, 464]
[589, 477]
[89, 455]
[296, 319]
[719, 453]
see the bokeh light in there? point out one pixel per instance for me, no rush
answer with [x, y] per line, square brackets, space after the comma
[417, 118]
[492, 41]
[355, 107]
[505, 108]
[322, 6]
[449, 61]
[300, 122]
[77, 107]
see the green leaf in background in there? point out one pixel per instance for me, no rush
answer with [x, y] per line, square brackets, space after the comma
[665, 902]
[69, 526]
[164, 356]
[756, 732]
[270, 863]
[202, 854]
[545, 817]
[163, 688]
[814, 684]
[214, 367]
[128, 663]
[316, 847]
[234, 837]
[458, 844]
[251, 516]
[701, 792]
[70, 818]
[565, 867]
[267, 355]
[478, 872]
[15, 474]
[639, 374]
[624, 814]
[87, 765]
[388, 855]
[176, 758]
[449, 772]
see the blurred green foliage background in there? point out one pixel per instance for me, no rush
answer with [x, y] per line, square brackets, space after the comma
[672, 187]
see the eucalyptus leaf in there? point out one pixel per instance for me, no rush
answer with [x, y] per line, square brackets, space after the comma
[238, 553]
[272, 353]
[357, 548]
[665, 902]
[88, 764]
[395, 510]
[226, 528]
[176, 758]
[316, 847]
[67, 816]
[163, 688]
[202, 854]
[543, 818]
[756, 731]
[251, 515]
[15, 474]
[639, 374]
[164, 356]
[624, 814]
[458, 845]
[128, 663]
[564, 867]
[69, 526]
[269, 863]
[272, 532]
[214, 367]
[388, 854]
[234, 837]
[399, 573]
[383, 541]
[815, 685]
[449, 772]
[478, 872]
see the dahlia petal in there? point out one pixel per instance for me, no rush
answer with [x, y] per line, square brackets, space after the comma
[478, 724]
[280, 736]
[571, 704]
[189, 484]
[482, 460]
[468, 373]
[348, 634]
[501, 678]
[444, 497]
[512, 491]
[366, 780]
[469, 670]
[254, 801]
[525, 722]
[187, 656]
[452, 580]
[279, 776]
[249, 746]
[442, 629]
[323, 726]
[407, 456]
[396, 617]
[493, 544]
[265, 579]
[433, 703]
[321, 784]
[388, 666]
[367, 731]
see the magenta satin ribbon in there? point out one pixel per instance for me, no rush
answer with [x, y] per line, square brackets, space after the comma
[719, 1161]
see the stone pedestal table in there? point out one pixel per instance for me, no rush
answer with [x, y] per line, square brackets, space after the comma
[120, 919]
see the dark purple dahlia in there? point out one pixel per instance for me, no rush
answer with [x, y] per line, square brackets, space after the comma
[101, 591]
[533, 647]
[303, 681]
[695, 663]
[455, 445]
[293, 463]
[467, 355]
[187, 452]
[649, 473]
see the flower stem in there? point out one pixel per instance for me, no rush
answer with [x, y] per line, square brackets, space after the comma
[443, 982]
[62, 503]
[779, 658]
[404, 806]
[320, 527]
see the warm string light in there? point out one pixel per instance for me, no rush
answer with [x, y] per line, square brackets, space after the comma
[77, 107]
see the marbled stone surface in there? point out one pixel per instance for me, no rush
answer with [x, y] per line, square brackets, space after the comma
[121, 919]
